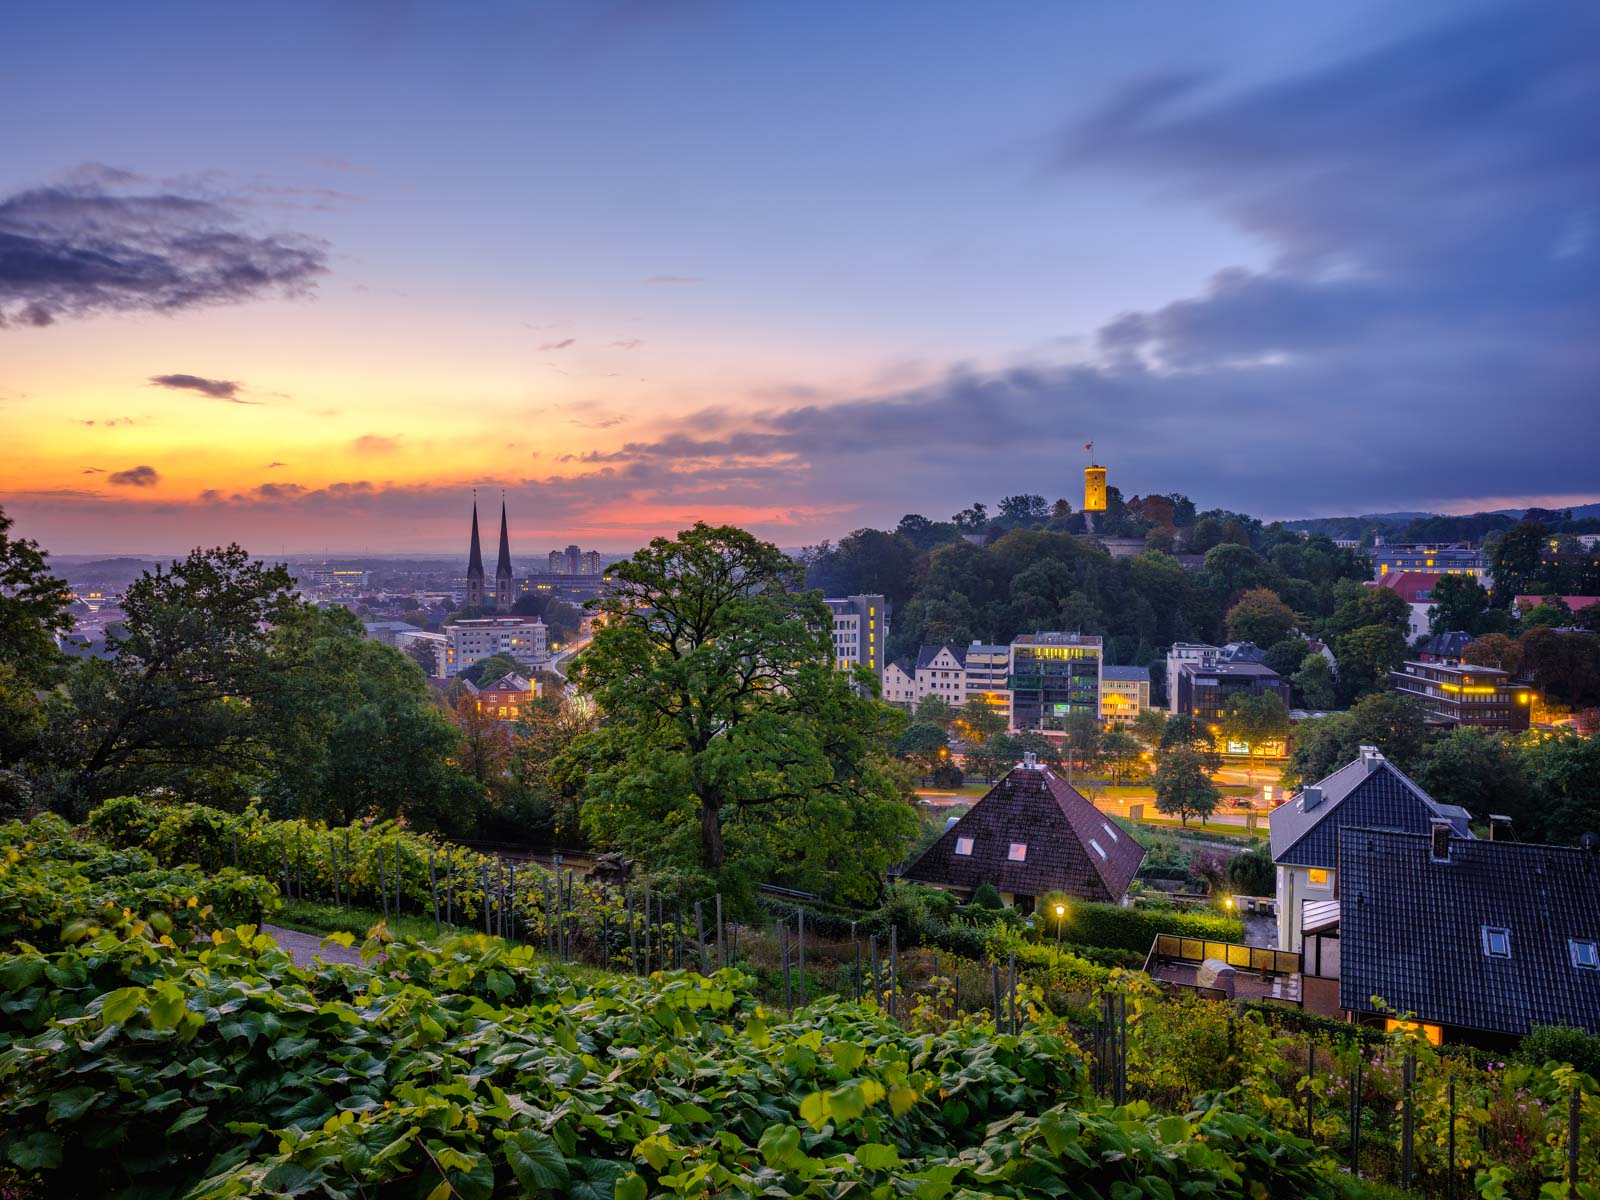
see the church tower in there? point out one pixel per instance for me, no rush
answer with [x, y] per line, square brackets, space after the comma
[475, 563]
[504, 590]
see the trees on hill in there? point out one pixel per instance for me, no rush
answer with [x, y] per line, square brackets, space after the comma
[1260, 616]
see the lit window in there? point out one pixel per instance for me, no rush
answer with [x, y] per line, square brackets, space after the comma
[1109, 830]
[1496, 942]
[963, 845]
[1585, 955]
[1098, 848]
[1319, 877]
[1018, 852]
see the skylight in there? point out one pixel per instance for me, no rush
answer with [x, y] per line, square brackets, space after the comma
[1585, 955]
[1496, 942]
[1109, 830]
[1098, 849]
[1018, 852]
[963, 845]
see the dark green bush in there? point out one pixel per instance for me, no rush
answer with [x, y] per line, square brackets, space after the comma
[1561, 1043]
[1114, 927]
[987, 897]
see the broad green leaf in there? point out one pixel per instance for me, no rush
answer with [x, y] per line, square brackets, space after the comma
[536, 1160]
[875, 1156]
[121, 1004]
[630, 1187]
[814, 1110]
[40, 1151]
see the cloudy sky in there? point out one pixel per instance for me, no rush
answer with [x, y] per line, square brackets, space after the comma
[305, 275]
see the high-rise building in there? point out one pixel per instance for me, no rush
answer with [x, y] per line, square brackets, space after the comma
[1053, 675]
[860, 629]
[558, 562]
[591, 563]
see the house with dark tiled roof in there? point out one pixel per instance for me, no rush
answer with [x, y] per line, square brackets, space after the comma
[1480, 940]
[1032, 835]
[1370, 792]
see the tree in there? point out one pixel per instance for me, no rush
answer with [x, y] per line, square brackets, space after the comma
[935, 710]
[1260, 616]
[729, 742]
[422, 653]
[1518, 561]
[1026, 509]
[1564, 771]
[1286, 656]
[1367, 655]
[1183, 785]
[926, 744]
[1122, 754]
[866, 561]
[1493, 650]
[485, 744]
[33, 608]
[1313, 683]
[1257, 720]
[979, 721]
[172, 704]
[996, 756]
[487, 670]
[1459, 602]
[542, 802]
[1391, 722]
[1565, 666]
[1480, 770]
[1084, 732]
[1233, 569]
[1148, 726]
[1185, 730]
[973, 519]
[1552, 611]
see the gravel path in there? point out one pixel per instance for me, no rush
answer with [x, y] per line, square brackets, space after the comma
[303, 947]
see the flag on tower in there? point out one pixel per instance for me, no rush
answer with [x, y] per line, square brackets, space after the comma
[1088, 447]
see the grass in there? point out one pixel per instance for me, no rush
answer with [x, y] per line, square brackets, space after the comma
[1238, 832]
[1121, 791]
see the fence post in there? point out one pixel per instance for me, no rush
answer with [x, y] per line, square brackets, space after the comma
[433, 890]
[877, 993]
[1122, 1047]
[449, 888]
[858, 963]
[722, 945]
[383, 889]
[783, 950]
[1450, 1151]
[1407, 1136]
[1355, 1114]
[483, 882]
[633, 934]
[994, 969]
[1311, 1075]
[647, 927]
[802, 921]
[894, 971]
[1011, 975]
[1572, 1145]
[700, 934]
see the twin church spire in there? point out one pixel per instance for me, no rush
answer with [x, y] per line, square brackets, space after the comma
[504, 587]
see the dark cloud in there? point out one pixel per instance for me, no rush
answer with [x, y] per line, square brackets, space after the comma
[93, 471]
[104, 240]
[627, 344]
[141, 477]
[218, 389]
[561, 345]
[375, 443]
[674, 279]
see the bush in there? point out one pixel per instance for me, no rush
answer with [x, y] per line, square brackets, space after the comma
[1560, 1043]
[987, 897]
[947, 775]
[1253, 873]
[1115, 927]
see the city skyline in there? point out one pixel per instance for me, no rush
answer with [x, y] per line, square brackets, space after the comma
[789, 270]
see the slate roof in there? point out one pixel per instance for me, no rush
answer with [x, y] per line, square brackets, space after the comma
[1242, 652]
[1126, 674]
[1369, 792]
[1412, 930]
[1031, 805]
[1447, 645]
[927, 654]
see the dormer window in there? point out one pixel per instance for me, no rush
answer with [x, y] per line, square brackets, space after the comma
[1496, 942]
[1018, 852]
[964, 845]
[1585, 954]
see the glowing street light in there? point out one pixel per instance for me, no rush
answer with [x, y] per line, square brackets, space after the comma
[1061, 920]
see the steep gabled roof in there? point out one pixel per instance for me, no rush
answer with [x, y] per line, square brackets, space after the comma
[1370, 792]
[927, 654]
[1072, 847]
[1411, 930]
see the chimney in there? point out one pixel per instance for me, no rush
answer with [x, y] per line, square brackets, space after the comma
[1030, 761]
[1310, 797]
[1371, 758]
[1500, 828]
[1441, 831]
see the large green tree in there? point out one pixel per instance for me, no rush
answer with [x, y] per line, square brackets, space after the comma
[1260, 616]
[1459, 602]
[730, 744]
[1391, 722]
[1313, 683]
[1260, 720]
[1183, 784]
[33, 608]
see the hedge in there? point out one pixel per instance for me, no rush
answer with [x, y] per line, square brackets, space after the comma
[1118, 928]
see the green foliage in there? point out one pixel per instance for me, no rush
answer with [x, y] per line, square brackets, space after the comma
[1260, 616]
[1459, 602]
[33, 608]
[730, 743]
[487, 670]
[1388, 721]
[1118, 928]
[1313, 683]
[1183, 784]
[1557, 1043]
[986, 897]
[1252, 873]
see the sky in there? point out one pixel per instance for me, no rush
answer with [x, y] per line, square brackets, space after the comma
[304, 276]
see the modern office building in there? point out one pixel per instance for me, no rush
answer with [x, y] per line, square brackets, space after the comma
[1434, 558]
[1124, 694]
[988, 676]
[464, 642]
[1456, 694]
[1052, 676]
[1205, 688]
[860, 629]
[1180, 653]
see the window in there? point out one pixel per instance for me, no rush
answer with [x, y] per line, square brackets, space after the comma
[1098, 849]
[1318, 877]
[1018, 852]
[1496, 942]
[1585, 955]
[963, 845]
[1109, 830]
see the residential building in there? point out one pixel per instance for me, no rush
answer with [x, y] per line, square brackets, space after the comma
[1416, 589]
[1180, 653]
[1370, 792]
[1124, 693]
[573, 561]
[988, 676]
[1445, 647]
[558, 563]
[1476, 940]
[942, 672]
[860, 630]
[505, 698]
[1206, 687]
[1437, 558]
[464, 642]
[900, 683]
[388, 631]
[1465, 695]
[1030, 836]
[1052, 676]
[589, 564]
[1575, 604]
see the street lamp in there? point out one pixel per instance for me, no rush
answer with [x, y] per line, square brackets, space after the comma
[1061, 920]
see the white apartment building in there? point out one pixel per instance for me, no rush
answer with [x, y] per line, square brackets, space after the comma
[1183, 652]
[860, 629]
[465, 642]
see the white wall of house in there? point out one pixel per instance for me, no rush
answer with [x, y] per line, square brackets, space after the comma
[1296, 885]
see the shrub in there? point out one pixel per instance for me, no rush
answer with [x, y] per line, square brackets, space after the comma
[1253, 873]
[1560, 1043]
[985, 896]
[1115, 927]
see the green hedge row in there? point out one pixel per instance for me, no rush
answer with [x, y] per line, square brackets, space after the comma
[1134, 929]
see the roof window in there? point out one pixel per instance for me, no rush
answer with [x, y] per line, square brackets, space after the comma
[1018, 852]
[1496, 942]
[1108, 829]
[963, 845]
[1585, 954]
[1098, 848]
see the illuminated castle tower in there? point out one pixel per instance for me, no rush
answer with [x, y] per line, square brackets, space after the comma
[1094, 488]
